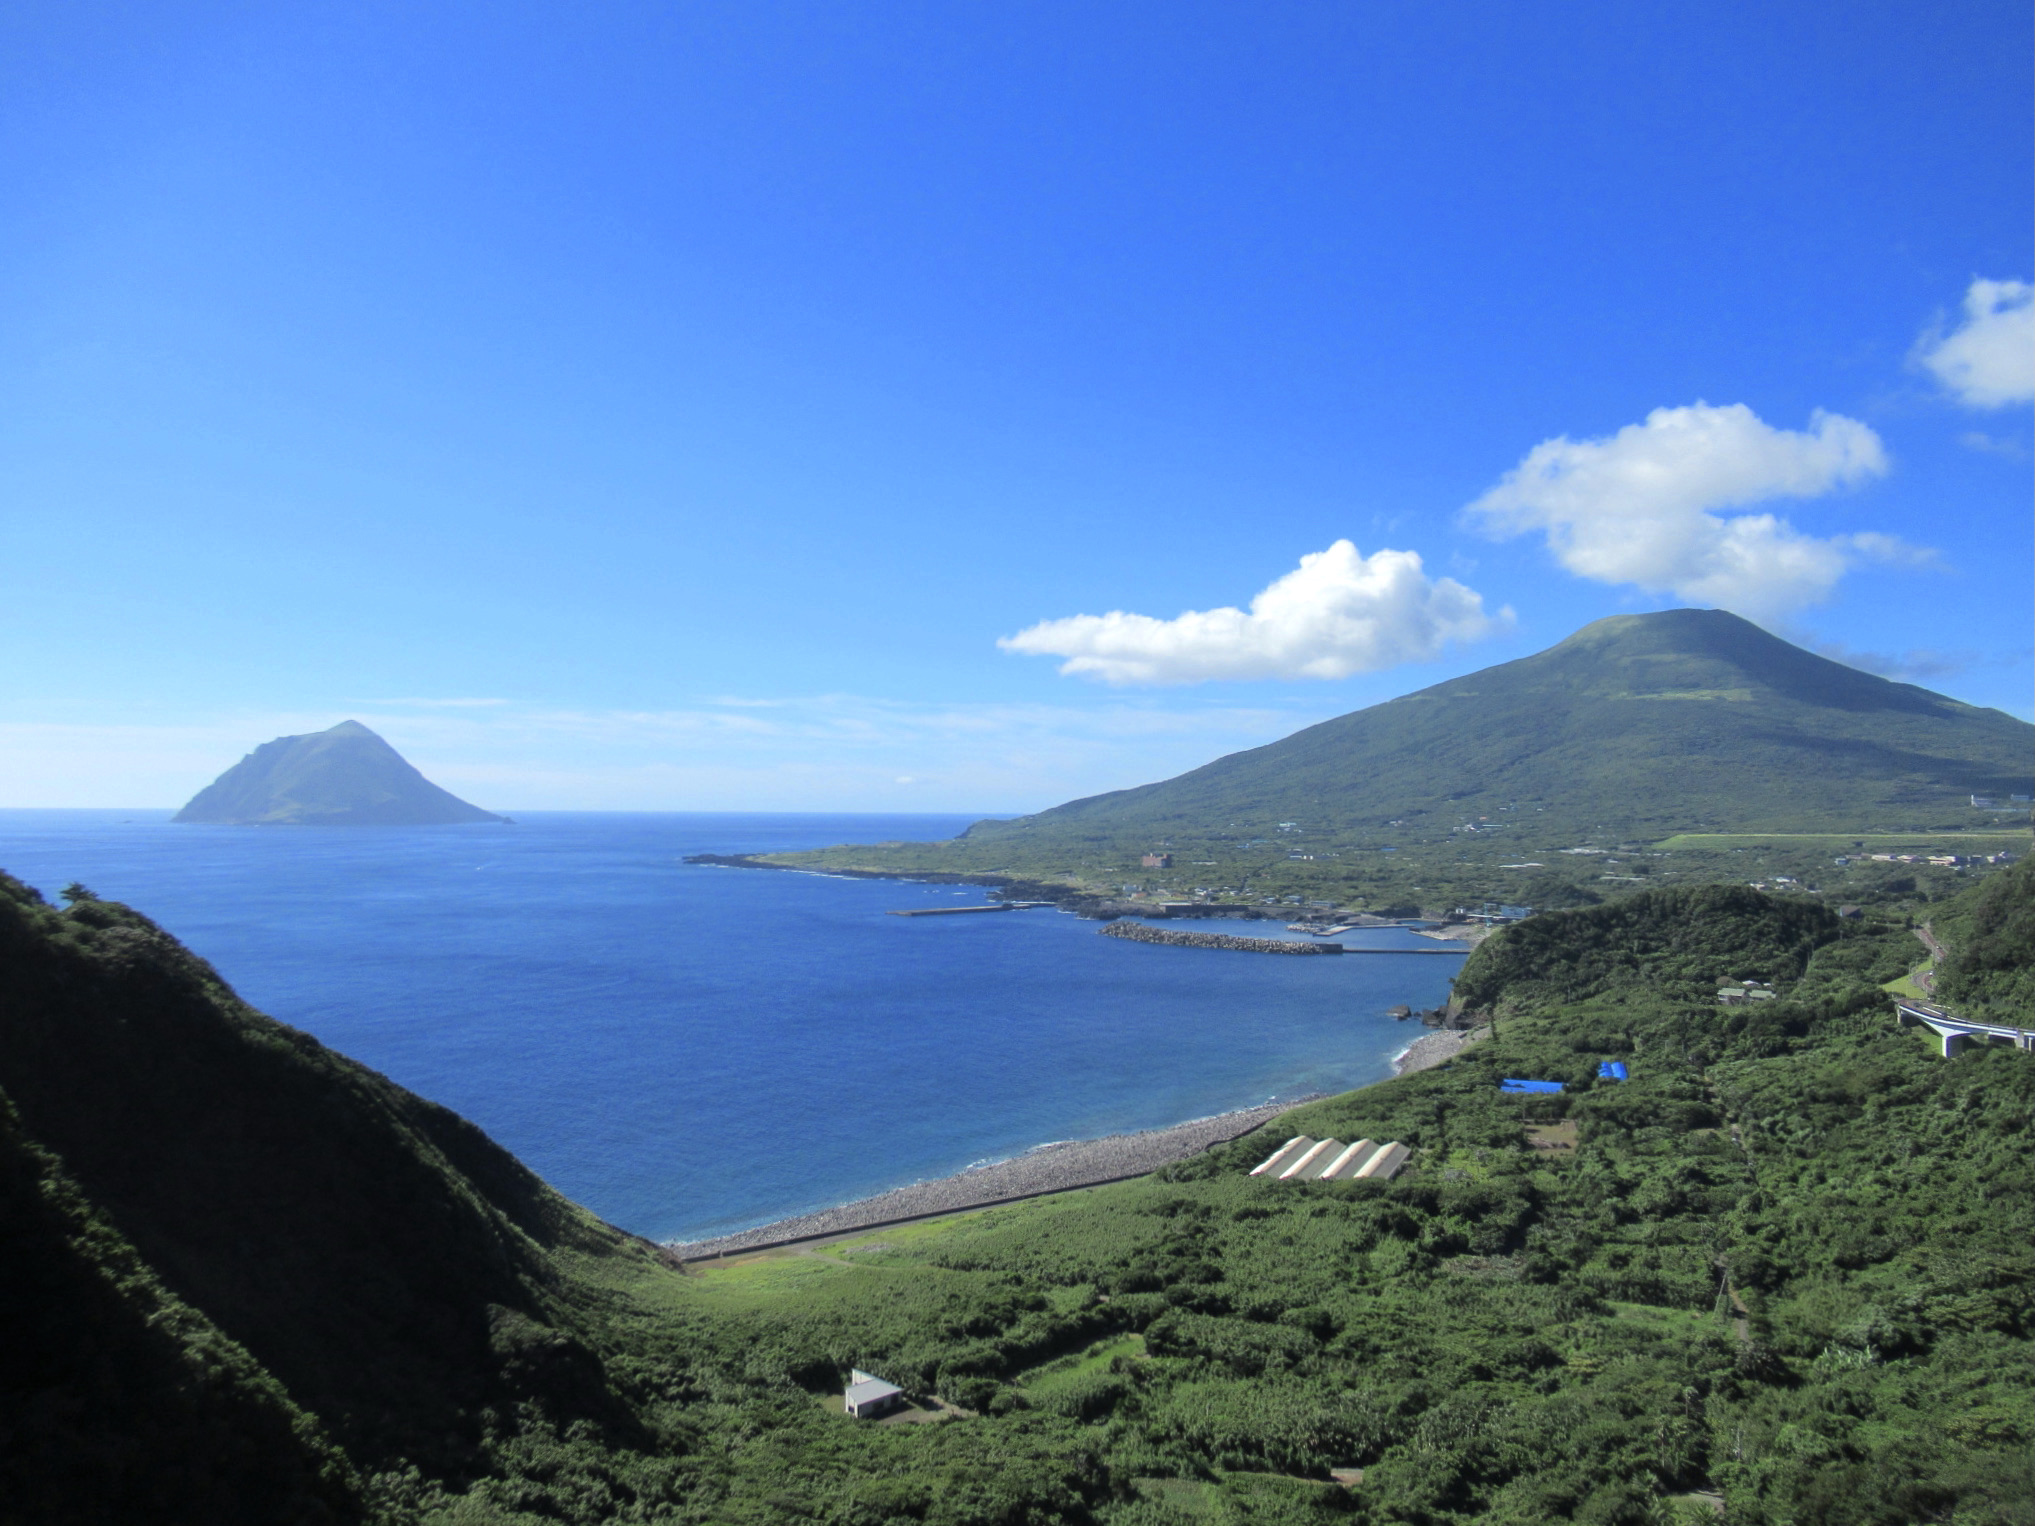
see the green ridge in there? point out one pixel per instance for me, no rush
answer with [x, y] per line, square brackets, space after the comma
[1599, 733]
[1692, 726]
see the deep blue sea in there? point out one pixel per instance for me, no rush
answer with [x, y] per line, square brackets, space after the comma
[690, 1051]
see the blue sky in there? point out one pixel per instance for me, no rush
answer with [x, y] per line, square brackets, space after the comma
[675, 406]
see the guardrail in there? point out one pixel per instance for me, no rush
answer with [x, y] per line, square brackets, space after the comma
[1957, 1033]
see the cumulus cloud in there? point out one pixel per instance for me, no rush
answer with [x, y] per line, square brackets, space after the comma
[1988, 360]
[1639, 506]
[1339, 612]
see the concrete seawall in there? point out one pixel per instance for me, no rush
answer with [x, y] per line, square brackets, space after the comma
[1138, 933]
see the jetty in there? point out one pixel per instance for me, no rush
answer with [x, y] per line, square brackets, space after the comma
[962, 911]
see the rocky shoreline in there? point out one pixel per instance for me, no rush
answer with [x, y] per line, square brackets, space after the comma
[1435, 1049]
[1050, 1168]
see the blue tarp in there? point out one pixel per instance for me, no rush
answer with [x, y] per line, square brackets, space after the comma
[1611, 1070]
[1518, 1087]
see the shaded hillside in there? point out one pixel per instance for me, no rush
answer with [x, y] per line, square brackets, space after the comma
[118, 1401]
[390, 1266]
[343, 776]
[1640, 725]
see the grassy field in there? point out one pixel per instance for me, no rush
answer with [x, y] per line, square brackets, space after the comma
[1906, 986]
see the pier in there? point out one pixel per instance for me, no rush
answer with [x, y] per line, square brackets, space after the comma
[962, 911]
[1416, 952]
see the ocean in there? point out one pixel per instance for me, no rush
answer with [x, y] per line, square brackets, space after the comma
[689, 1051]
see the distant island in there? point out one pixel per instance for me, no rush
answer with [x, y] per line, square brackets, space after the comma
[343, 776]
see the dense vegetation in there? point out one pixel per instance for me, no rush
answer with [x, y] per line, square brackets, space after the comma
[1788, 1266]
[1636, 729]
[1992, 970]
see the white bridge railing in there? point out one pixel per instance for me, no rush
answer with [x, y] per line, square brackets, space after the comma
[1956, 1032]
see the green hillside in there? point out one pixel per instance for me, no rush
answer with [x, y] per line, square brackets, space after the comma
[267, 1218]
[1690, 744]
[1785, 1268]
[1638, 726]
[345, 775]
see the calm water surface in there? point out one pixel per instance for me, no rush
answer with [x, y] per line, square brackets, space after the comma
[689, 1050]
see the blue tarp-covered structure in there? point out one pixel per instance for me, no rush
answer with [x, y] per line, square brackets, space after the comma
[1521, 1088]
[1611, 1070]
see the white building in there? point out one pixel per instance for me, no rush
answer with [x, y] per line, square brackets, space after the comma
[869, 1396]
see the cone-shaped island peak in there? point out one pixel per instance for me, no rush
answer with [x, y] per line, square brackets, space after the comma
[346, 775]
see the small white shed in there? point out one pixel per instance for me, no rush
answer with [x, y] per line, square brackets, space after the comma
[869, 1396]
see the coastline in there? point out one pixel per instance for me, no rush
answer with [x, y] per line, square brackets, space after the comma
[1434, 1049]
[1059, 1167]
[1065, 1165]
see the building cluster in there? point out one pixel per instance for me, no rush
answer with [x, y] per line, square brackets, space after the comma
[1940, 860]
[1305, 1159]
[1734, 992]
[1492, 913]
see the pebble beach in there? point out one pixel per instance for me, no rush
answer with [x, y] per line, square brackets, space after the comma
[1050, 1168]
[1435, 1049]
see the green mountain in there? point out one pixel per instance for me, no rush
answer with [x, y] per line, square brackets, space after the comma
[343, 776]
[1639, 725]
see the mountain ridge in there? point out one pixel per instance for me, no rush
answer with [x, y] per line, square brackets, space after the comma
[1613, 708]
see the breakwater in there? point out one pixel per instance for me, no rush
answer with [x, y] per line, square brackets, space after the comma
[960, 911]
[1137, 932]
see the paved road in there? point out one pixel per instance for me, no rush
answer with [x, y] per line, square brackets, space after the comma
[1926, 979]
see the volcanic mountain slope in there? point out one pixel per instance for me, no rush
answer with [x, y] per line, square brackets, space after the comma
[1643, 724]
[249, 1258]
[343, 776]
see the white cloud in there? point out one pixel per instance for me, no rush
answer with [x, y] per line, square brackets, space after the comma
[1339, 612]
[1638, 507]
[1988, 360]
